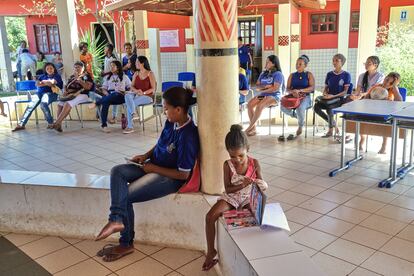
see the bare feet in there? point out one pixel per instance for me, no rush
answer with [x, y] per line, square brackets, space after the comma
[299, 131]
[112, 121]
[251, 133]
[383, 150]
[109, 229]
[210, 261]
[92, 105]
[116, 252]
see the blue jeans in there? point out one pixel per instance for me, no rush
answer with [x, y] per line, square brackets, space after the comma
[44, 99]
[95, 96]
[300, 111]
[148, 187]
[132, 101]
[19, 70]
[113, 98]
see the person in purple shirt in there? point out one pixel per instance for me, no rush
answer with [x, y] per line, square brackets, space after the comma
[271, 83]
[337, 83]
[47, 86]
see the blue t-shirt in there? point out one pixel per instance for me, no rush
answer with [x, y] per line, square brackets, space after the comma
[125, 60]
[244, 54]
[48, 89]
[243, 85]
[336, 82]
[267, 78]
[299, 80]
[177, 148]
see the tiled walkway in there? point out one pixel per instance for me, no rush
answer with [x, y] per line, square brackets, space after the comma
[346, 224]
[72, 257]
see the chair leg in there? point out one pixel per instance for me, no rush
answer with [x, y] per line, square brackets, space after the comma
[283, 125]
[142, 118]
[313, 122]
[79, 115]
[306, 124]
[8, 111]
[270, 118]
[37, 117]
[15, 111]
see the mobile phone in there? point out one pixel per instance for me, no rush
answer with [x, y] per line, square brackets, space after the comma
[130, 161]
[260, 97]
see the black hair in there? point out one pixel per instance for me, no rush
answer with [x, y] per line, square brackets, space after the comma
[305, 59]
[58, 53]
[133, 60]
[50, 64]
[341, 57]
[110, 47]
[144, 60]
[127, 44]
[376, 61]
[179, 97]
[79, 63]
[275, 60]
[236, 138]
[120, 72]
[240, 38]
[42, 56]
[25, 50]
[82, 45]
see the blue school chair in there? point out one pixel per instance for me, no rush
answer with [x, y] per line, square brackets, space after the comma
[26, 87]
[186, 76]
[403, 93]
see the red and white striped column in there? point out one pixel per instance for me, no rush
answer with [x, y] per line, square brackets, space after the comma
[217, 84]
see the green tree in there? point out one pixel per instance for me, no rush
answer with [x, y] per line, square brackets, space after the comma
[16, 31]
[396, 52]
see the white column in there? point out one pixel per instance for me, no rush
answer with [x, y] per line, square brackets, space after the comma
[216, 57]
[294, 45]
[68, 31]
[6, 73]
[189, 46]
[141, 33]
[284, 38]
[343, 28]
[155, 57]
[367, 36]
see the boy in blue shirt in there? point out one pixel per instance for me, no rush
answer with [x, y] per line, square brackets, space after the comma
[245, 58]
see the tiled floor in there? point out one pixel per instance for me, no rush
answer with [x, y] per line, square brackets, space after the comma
[63, 256]
[346, 224]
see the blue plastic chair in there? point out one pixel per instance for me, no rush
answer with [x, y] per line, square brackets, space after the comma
[186, 76]
[168, 84]
[403, 93]
[25, 87]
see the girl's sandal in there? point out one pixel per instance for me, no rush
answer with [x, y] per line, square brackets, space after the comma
[106, 250]
[207, 267]
[113, 256]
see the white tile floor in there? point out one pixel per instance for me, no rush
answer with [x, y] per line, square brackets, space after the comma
[346, 224]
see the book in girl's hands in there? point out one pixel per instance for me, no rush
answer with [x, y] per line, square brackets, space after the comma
[260, 213]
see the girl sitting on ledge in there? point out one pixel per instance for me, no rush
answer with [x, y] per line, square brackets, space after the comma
[159, 172]
[240, 172]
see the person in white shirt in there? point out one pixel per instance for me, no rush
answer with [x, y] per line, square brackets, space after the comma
[23, 45]
[114, 87]
[28, 63]
[106, 70]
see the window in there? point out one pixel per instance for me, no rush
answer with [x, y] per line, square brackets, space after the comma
[247, 31]
[47, 38]
[323, 23]
[354, 21]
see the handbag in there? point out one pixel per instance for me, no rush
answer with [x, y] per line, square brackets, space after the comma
[192, 185]
[291, 102]
[327, 101]
[70, 96]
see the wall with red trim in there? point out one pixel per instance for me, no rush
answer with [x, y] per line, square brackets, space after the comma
[268, 41]
[162, 20]
[181, 38]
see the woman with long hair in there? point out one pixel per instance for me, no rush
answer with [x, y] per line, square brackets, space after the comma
[114, 87]
[142, 91]
[271, 85]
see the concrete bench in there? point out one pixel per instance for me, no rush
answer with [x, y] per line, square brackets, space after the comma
[76, 205]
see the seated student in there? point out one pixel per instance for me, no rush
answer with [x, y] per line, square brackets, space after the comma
[300, 84]
[240, 172]
[106, 70]
[48, 85]
[77, 89]
[115, 85]
[243, 87]
[390, 84]
[40, 63]
[165, 168]
[271, 84]
[369, 78]
[337, 83]
[142, 91]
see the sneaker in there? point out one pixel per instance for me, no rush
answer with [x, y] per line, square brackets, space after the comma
[106, 129]
[128, 131]
[58, 127]
[50, 126]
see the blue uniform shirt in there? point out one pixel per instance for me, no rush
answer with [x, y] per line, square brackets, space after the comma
[244, 54]
[336, 82]
[243, 85]
[48, 89]
[125, 60]
[267, 78]
[177, 147]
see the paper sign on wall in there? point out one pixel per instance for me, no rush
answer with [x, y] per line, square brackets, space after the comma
[268, 30]
[169, 38]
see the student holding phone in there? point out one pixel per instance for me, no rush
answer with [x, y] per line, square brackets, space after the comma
[165, 168]
[271, 85]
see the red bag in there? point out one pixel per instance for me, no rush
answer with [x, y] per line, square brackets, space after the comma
[193, 184]
[291, 102]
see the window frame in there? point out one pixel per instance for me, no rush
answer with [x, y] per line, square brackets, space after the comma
[350, 22]
[335, 23]
[247, 40]
[48, 28]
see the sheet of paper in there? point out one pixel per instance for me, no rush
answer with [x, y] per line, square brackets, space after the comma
[268, 30]
[274, 216]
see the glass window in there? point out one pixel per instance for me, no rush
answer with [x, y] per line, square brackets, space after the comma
[355, 21]
[323, 23]
[47, 38]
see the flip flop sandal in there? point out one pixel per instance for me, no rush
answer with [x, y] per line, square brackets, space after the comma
[111, 256]
[291, 137]
[210, 266]
[327, 136]
[281, 138]
[106, 250]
